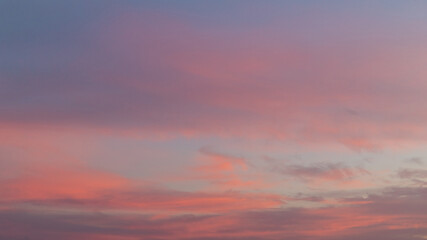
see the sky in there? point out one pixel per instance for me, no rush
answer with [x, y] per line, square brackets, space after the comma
[215, 119]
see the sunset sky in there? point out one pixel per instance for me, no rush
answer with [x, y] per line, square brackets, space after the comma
[213, 120]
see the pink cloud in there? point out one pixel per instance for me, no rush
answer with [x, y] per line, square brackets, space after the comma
[224, 172]
[388, 215]
[75, 185]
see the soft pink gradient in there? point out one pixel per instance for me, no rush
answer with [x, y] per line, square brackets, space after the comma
[210, 120]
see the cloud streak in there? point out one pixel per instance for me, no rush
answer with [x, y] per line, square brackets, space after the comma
[382, 217]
